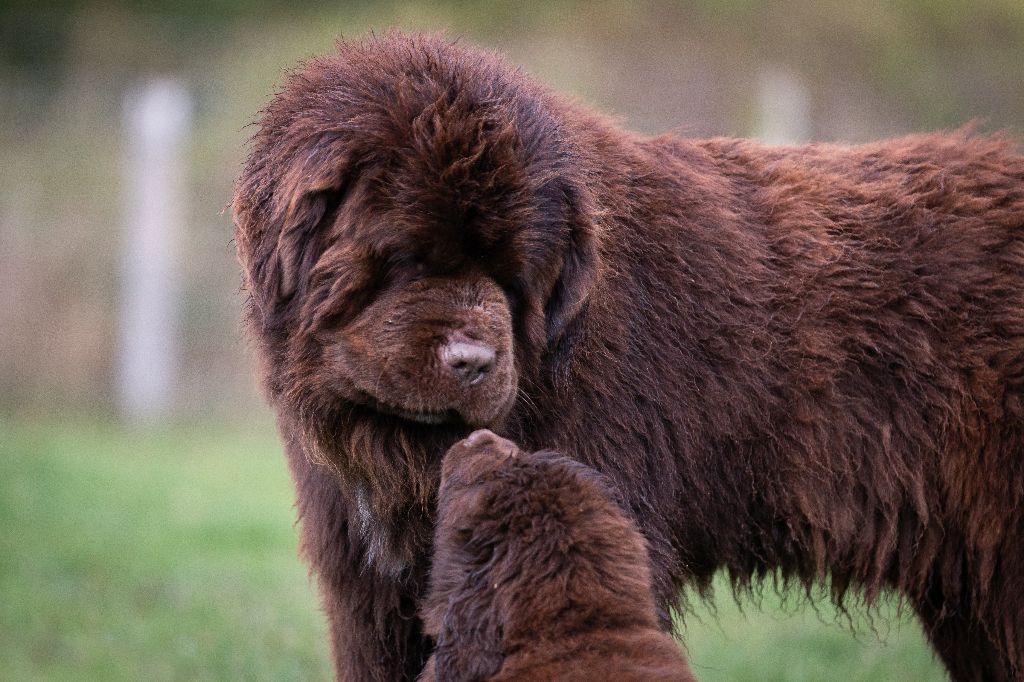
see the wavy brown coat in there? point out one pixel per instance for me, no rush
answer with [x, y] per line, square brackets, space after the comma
[802, 360]
[538, 575]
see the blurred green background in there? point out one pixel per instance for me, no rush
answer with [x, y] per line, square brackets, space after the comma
[167, 551]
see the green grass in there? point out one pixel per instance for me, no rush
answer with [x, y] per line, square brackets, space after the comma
[156, 556]
[789, 640]
[171, 555]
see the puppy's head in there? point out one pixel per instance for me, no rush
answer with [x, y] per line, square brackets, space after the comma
[414, 234]
[529, 547]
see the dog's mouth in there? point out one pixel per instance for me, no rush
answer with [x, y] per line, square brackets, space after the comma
[430, 417]
[443, 417]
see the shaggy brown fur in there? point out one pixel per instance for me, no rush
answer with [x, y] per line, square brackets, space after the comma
[538, 575]
[803, 360]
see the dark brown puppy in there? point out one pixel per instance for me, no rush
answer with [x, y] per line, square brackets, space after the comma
[804, 359]
[538, 575]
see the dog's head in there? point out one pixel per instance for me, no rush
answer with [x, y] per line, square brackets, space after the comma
[414, 231]
[530, 547]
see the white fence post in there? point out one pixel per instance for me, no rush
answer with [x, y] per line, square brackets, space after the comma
[784, 107]
[157, 117]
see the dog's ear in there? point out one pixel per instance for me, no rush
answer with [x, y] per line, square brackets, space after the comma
[278, 208]
[306, 210]
[469, 643]
[579, 265]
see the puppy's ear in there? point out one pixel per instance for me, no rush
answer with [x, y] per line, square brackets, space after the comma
[579, 266]
[469, 643]
[278, 207]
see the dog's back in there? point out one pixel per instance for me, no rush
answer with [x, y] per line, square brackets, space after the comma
[538, 574]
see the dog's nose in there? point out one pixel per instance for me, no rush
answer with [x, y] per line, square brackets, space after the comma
[478, 437]
[469, 362]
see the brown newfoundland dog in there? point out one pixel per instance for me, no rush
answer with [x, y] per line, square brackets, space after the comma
[538, 575]
[803, 361]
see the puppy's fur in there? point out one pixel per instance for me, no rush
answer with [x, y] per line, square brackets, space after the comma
[538, 575]
[803, 360]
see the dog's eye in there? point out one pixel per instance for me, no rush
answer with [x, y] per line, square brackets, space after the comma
[514, 294]
[400, 267]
